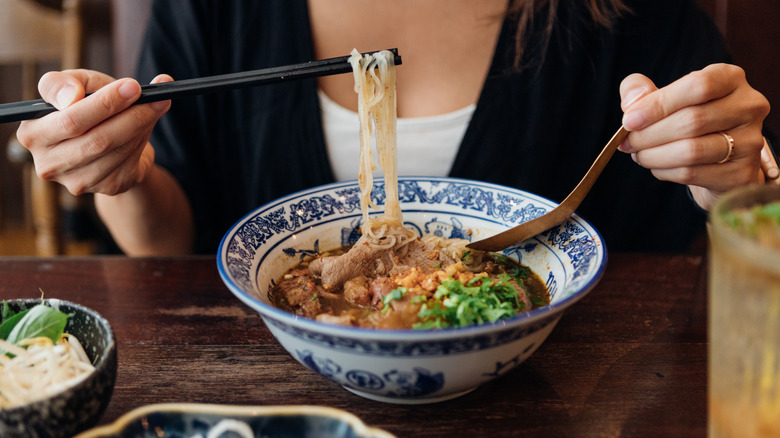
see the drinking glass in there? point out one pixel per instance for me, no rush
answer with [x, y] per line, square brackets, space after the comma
[744, 324]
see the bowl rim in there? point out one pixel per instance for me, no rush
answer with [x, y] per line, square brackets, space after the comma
[118, 425]
[534, 315]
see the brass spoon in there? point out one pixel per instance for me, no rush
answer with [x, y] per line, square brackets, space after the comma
[559, 214]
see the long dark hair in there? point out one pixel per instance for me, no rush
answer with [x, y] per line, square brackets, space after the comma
[526, 12]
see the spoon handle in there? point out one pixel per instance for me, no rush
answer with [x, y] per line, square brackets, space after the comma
[559, 214]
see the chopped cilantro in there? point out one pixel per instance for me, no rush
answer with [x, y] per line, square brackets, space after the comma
[417, 299]
[480, 300]
[395, 294]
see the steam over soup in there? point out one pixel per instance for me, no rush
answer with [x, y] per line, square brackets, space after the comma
[391, 278]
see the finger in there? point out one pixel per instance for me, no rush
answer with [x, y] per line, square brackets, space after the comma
[716, 178]
[161, 78]
[712, 148]
[689, 122]
[118, 175]
[707, 149]
[633, 88]
[102, 146]
[769, 164]
[62, 88]
[712, 82]
[86, 113]
[163, 105]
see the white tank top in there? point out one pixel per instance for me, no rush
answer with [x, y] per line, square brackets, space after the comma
[426, 145]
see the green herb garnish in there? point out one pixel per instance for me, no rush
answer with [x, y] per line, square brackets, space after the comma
[395, 294]
[38, 321]
[480, 300]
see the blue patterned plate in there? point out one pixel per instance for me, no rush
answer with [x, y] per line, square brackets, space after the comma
[191, 420]
[409, 366]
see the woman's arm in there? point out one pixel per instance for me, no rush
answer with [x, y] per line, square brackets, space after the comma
[152, 218]
[100, 144]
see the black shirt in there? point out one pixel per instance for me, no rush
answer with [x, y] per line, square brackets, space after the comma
[538, 129]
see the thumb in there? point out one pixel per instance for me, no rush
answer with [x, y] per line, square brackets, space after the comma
[633, 88]
[63, 88]
[60, 89]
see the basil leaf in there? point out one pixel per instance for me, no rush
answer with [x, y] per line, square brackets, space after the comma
[9, 324]
[41, 320]
[7, 312]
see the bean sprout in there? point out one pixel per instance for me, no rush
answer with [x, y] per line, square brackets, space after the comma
[41, 370]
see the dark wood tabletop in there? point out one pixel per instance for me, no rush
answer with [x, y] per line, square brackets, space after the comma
[630, 359]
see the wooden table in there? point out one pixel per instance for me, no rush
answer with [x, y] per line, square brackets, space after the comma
[628, 360]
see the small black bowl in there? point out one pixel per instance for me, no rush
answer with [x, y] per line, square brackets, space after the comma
[81, 406]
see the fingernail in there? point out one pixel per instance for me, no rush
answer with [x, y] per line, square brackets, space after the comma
[65, 96]
[632, 96]
[129, 90]
[624, 147]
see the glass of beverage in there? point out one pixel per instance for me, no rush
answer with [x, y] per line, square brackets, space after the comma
[744, 314]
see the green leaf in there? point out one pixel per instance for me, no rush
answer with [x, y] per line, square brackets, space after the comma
[10, 322]
[395, 294]
[7, 312]
[41, 320]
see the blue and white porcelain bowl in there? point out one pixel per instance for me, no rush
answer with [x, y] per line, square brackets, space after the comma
[409, 366]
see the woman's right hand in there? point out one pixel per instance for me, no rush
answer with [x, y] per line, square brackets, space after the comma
[97, 144]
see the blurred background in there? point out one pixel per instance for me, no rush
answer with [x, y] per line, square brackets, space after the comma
[41, 219]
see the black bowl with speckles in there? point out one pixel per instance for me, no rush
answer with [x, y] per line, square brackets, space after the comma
[79, 407]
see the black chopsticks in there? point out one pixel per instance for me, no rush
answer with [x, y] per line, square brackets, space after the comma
[33, 109]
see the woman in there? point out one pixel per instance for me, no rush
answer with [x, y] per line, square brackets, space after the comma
[523, 94]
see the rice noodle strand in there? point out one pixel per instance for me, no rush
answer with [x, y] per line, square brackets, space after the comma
[375, 85]
[41, 370]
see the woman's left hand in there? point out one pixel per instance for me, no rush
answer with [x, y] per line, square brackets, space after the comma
[678, 131]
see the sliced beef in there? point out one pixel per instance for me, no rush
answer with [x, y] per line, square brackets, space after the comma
[356, 291]
[298, 293]
[363, 260]
[379, 288]
[360, 260]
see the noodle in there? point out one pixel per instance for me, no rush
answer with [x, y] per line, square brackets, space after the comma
[41, 370]
[375, 86]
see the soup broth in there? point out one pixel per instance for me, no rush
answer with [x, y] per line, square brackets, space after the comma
[480, 288]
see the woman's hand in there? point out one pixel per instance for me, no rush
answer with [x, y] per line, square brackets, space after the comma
[676, 130]
[97, 144]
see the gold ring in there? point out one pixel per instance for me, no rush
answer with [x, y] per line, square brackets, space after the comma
[730, 143]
